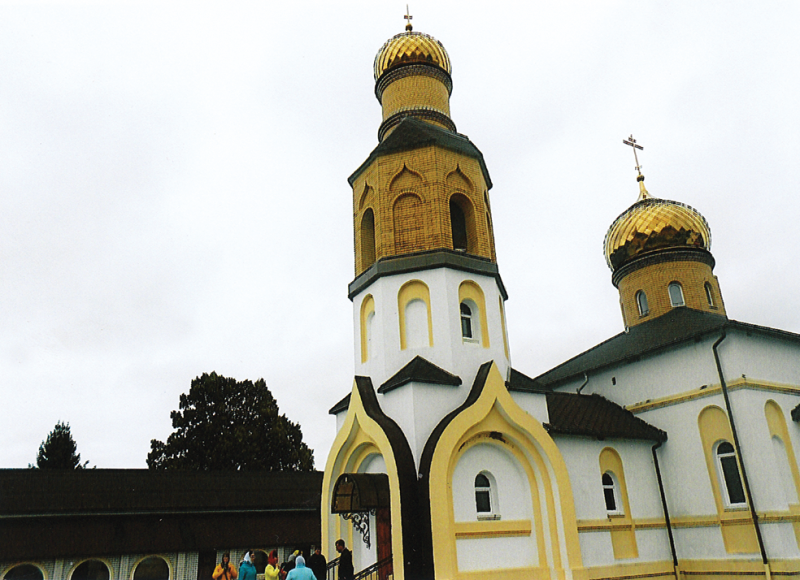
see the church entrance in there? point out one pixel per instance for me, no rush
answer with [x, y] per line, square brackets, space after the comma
[362, 498]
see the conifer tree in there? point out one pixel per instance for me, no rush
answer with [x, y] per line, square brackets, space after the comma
[59, 450]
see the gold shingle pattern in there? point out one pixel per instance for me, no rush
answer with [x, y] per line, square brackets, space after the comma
[411, 47]
[652, 224]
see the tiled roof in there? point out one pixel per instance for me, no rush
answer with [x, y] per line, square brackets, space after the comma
[796, 413]
[340, 406]
[522, 383]
[420, 370]
[98, 491]
[412, 133]
[596, 416]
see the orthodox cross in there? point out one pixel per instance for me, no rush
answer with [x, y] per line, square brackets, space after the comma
[632, 143]
[408, 17]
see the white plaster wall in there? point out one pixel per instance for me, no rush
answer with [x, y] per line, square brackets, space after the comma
[449, 351]
[492, 554]
[596, 549]
[582, 456]
[535, 404]
[512, 493]
[760, 357]
[780, 540]
[418, 408]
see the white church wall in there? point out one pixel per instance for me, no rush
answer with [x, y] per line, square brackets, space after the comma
[535, 404]
[449, 351]
[596, 549]
[760, 358]
[491, 554]
[418, 408]
[511, 492]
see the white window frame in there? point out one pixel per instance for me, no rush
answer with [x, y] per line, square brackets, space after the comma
[709, 295]
[474, 323]
[723, 482]
[491, 490]
[672, 302]
[614, 488]
[644, 309]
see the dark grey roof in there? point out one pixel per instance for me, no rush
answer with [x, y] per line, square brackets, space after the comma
[796, 413]
[677, 326]
[58, 492]
[596, 416]
[412, 134]
[522, 383]
[340, 406]
[422, 371]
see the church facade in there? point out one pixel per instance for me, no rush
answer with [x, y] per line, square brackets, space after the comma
[667, 450]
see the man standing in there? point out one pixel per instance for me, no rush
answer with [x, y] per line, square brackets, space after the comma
[345, 561]
[318, 564]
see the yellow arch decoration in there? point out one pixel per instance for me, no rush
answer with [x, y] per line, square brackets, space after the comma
[623, 534]
[413, 290]
[367, 308]
[358, 439]
[469, 290]
[495, 415]
[738, 538]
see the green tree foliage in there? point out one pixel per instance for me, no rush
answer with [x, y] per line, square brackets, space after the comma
[59, 450]
[225, 424]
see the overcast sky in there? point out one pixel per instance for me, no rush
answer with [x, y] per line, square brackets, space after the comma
[175, 200]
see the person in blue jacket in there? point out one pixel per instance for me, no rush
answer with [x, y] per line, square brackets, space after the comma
[300, 572]
[247, 570]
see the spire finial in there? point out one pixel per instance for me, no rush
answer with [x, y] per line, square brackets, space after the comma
[630, 141]
[408, 18]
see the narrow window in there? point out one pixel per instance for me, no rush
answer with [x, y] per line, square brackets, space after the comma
[610, 493]
[709, 295]
[483, 495]
[367, 239]
[458, 224]
[676, 294]
[466, 321]
[729, 473]
[641, 303]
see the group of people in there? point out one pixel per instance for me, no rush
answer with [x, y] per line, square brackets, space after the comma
[295, 567]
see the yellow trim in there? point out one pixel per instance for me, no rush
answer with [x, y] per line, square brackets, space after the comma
[738, 531]
[367, 308]
[359, 438]
[623, 534]
[413, 290]
[495, 418]
[469, 290]
[712, 390]
[632, 571]
[493, 529]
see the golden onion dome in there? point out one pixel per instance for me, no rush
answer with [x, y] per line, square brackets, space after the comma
[653, 224]
[410, 48]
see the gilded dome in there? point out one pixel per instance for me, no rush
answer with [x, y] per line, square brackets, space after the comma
[653, 224]
[408, 48]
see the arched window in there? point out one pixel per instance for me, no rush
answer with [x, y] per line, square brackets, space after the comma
[641, 303]
[24, 572]
[260, 561]
[367, 239]
[611, 493]
[709, 294]
[458, 224]
[676, 294]
[484, 503]
[91, 570]
[730, 477]
[466, 321]
[413, 305]
[152, 568]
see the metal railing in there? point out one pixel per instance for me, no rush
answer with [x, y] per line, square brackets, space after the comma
[382, 570]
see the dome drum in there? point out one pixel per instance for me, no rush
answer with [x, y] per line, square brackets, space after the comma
[678, 254]
[408, 70]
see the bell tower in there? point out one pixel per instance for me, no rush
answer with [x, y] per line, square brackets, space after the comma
[427, 288]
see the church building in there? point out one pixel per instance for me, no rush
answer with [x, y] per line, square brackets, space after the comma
[666, 451]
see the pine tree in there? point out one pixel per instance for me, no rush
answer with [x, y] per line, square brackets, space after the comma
[59, 450]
